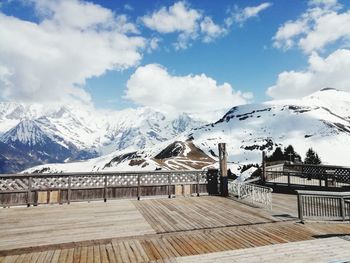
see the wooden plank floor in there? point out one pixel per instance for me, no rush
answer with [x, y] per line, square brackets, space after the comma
[149, 230]
[163, 247]
[35, 226]
[53, 224]
[326, 250]
[199, 213]
[284, 205]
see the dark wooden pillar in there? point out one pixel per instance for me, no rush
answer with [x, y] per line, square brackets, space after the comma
[263, 167]
[223, 169]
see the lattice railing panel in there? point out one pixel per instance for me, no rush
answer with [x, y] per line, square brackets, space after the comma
[43, 183]
[178, 178]
[122, 180]
[203, 178]
[13, 184]
[76, 181]
[154, 179]
[86, 181]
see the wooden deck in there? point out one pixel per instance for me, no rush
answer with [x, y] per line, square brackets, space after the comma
[184, 214]
[149, 230]
[325, 250]
[54, 224]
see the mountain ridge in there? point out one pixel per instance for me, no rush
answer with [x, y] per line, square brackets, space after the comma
[320, 120]
[67, 133]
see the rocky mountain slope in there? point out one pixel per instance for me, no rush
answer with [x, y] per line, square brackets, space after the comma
[63, 134]
[320, 120]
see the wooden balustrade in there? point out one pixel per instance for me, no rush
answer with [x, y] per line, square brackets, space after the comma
[314, 176]
[323, 205]
[33, 189]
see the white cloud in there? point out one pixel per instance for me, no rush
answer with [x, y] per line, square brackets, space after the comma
[187, 22]
[75, 40]
[323, 23]
[332, 71]
[211, 30]
[153, 44]
[128, 7]
[241, 15]
[153, 86]
[177, 18]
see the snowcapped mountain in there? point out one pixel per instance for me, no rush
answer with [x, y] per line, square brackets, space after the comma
[320, 120]
[62, 134]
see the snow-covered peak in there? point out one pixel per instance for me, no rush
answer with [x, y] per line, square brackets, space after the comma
[85, 131]
[27, 132]
[336, 101]
[319, 120]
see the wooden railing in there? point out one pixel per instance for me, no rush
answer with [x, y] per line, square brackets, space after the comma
[323, 205]
[309, 175]
[251, 193]
[34, 189]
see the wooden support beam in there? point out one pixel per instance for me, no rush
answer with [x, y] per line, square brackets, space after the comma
[197, 184]
[223, 169]
[29, 193]
[342, 208]
[69, 189]
[105, 192]
[138, 187]
[300, 208]
[263, 165]
[169, 186]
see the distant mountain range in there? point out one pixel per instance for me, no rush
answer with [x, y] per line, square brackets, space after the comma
[34, 134]
[320, 120]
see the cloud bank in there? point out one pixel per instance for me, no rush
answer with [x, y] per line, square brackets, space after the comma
[191, 24]
[332, 71]
[152, 85]
[52, 59]
[322, 24]
[188, 22]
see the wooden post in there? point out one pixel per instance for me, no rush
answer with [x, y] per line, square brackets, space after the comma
[138, 187]
[29, 193]
[342, 208]
[197, 184]
[263, 165]
[288, 178]
[105, 193]
[169, 186]
[69, 189]
[223, 169]
[300, 208]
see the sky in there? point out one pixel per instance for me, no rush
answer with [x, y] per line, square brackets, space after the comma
[183, 56]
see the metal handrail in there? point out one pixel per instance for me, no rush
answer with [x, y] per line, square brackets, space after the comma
[322, 204]
[255, 194]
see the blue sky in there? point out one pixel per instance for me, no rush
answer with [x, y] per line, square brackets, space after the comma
[262, 50]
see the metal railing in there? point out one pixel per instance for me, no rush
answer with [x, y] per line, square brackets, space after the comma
[20, 189]
[323, 205]
[251, 193]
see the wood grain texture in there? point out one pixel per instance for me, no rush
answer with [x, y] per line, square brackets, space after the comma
[326, 250]
[160, 230]
[174, 246]
[54, 224]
